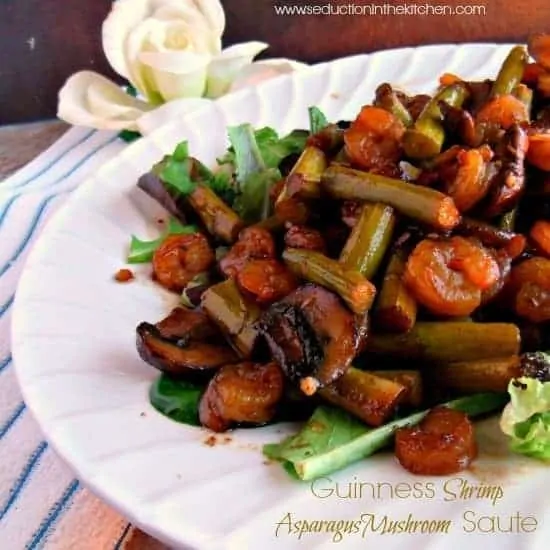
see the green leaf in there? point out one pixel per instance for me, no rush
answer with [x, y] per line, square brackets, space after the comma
[222, 184]
[332, 439]
[275, 150]
[272, 148]
[252, 203]
[526, 419]
[176, 399]
[176, 170]
[317, 120]
[128, 135]
[177, 175]
[248, 159]
[131, 90]
[143, 251]
[181, 153]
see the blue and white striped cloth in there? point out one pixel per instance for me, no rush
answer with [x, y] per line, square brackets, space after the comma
[42, 505]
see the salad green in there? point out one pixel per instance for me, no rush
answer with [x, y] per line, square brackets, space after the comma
[332, 439]
[526, 419]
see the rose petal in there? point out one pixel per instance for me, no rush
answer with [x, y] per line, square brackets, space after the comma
[214, 14]
[89, 99]
[204, 38]
[259, 71]
[141, 75]
[124, 16]
[226, 66]
[169, 111]
[175, 62]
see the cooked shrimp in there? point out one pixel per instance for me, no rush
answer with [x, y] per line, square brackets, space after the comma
[529, 289]
[254, 243]
[503, 111]
[447, 277]
[180, 258]
[266, 280]
[374, 139]
[442, 444]
[470, 184]
[242, 393]
[300, 236]
[540, 234]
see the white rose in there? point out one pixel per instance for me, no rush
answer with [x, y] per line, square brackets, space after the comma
[168, 50]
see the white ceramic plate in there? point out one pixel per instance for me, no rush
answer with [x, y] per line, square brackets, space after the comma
[74, 350]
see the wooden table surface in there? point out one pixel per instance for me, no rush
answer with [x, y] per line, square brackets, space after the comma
[21, 143]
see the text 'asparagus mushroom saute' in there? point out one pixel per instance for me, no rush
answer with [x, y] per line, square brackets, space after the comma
[385, 279]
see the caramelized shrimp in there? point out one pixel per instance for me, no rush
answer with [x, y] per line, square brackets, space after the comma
[374, 139]
[529, 289]
[243, 393]
[540, 234]
[180, 258]
[299, 236]
[503, 111]
[470, 184]
[442, 444]
[254, 243]
[447, 277]
[266, 280]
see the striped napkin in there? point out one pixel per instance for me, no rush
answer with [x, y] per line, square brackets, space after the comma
[42, 505]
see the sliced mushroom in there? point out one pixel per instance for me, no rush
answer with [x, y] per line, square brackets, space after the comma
[312, 335]
[508, 185]
[185, 344]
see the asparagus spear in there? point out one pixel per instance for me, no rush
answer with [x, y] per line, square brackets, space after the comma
[450, 341]
[395, 310]
[478, 376]
[425, 139]
[420, 203]
[511, 72]
[303, 180]
[371, 398]
[369, 239]
[236, 316]
[332, 440]
[387, 99]
[411, 379]
[219, 219]
[351, 286]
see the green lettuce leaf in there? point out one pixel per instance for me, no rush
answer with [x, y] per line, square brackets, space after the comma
[253, 175]
[176, 399]
[526, 419]
[332, 439]
[272, 148]
[176, 171]
[317, 120]
[252, 204]
[142, 252]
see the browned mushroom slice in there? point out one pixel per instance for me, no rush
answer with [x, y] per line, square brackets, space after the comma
[186, 343]
[245, 393]
[312, 335]
[187, 323]
[509, 183]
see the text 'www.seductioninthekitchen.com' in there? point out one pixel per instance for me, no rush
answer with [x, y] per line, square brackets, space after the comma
[357, 9]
